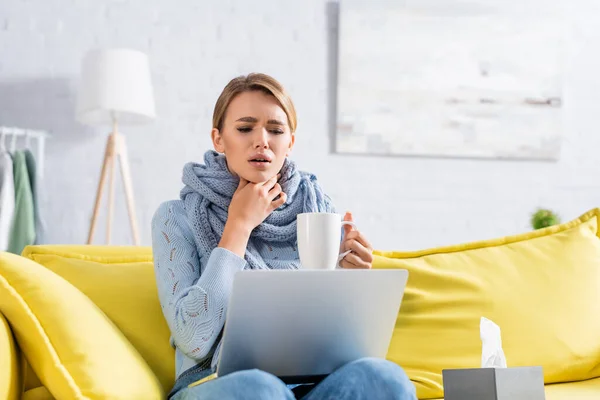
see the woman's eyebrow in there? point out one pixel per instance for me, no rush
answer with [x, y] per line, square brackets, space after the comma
[254, 120]
[247, 119]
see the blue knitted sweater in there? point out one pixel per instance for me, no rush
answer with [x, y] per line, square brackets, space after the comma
[194, 282]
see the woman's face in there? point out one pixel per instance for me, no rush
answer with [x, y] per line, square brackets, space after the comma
[255, 136]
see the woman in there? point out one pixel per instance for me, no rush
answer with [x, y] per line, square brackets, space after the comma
[237, 211]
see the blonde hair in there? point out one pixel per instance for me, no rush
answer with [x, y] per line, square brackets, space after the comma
[251, 82]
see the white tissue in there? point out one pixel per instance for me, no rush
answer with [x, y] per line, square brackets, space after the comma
[492, 355]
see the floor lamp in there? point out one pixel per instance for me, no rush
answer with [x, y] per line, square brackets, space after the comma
[115, 90]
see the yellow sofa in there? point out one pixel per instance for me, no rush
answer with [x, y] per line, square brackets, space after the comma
[84, 322]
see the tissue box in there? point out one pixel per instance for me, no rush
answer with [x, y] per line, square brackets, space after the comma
[518, 383]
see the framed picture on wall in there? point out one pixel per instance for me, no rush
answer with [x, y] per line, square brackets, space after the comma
[449, 78]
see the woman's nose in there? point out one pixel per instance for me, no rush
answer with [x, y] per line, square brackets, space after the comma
[261, 140]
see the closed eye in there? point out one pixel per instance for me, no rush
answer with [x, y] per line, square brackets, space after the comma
[246, 129]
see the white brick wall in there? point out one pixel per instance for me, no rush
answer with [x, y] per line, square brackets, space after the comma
[197, 46]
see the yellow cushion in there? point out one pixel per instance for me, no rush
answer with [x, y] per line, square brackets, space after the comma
[542, 288]
[120, 281]
[10, 366]
[72, 346]
[31, 379]
[38, 393]
[584, 390]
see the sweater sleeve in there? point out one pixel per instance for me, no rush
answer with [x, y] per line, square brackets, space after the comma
[193, 288]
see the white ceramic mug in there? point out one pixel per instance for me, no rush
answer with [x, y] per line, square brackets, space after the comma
[319, 237]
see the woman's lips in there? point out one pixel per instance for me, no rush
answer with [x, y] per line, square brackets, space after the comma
[262, 165]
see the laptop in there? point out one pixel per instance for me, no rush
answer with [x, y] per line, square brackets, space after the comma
[301, 325]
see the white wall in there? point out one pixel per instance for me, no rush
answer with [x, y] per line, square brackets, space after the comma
[196, 47]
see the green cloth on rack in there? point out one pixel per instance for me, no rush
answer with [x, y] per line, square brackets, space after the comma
[32, 172]
[22, 231]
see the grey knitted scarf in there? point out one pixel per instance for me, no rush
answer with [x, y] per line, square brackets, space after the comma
[209, 188]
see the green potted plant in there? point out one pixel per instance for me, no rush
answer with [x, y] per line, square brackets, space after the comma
[543, 218]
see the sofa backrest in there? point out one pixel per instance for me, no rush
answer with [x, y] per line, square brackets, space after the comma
[540, 287]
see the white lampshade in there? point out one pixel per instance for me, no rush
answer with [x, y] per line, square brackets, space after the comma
[115, 82]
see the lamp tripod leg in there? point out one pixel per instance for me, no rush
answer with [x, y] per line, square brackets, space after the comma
[127, 184]
[108, 156]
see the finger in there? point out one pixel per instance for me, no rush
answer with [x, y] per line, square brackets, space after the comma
[274, 192]
[351, 261]
[270, 183]
[361, 251]
[359, 237]
[357, 261]
[279, 202]
[347, 228]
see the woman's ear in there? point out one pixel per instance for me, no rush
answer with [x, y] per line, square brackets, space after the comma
[217, 140]
[292, 141]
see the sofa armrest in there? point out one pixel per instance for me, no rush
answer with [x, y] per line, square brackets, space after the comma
[11, 365]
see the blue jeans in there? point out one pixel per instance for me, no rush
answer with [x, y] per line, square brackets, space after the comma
[366, 378]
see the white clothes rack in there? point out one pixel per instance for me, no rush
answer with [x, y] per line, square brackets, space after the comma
[28, 134]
